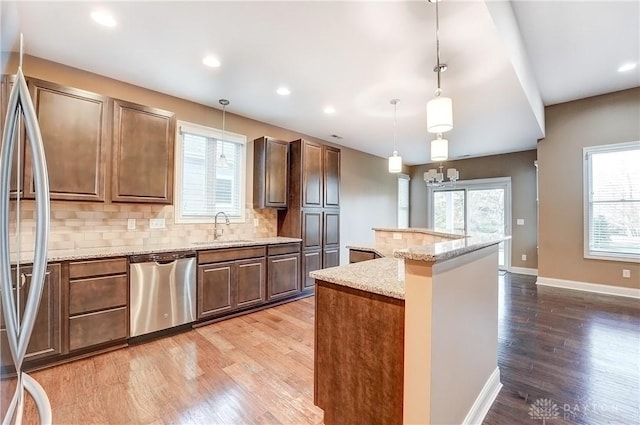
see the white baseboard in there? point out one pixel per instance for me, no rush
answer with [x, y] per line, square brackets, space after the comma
[619, 291]
[524, 270]
[484, 400]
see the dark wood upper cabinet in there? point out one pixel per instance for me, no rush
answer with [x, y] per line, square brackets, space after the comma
[270, 173]
[331, 177]
[143, 140]
[74, 127]
[6, 84]
[312, 178]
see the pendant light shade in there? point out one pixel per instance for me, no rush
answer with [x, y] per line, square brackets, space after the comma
[395, 160]
[395, 163]
[439, 115]
[439, 149]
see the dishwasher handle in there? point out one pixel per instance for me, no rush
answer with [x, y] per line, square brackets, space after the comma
[163, 258]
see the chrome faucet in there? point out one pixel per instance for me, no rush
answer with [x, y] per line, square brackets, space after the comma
[218, 232]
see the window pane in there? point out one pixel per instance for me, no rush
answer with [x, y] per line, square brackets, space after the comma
[208, 186]
[614, 200]
[448, 211]
[403, 202]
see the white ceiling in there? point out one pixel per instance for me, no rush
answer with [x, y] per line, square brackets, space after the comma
[355, 56]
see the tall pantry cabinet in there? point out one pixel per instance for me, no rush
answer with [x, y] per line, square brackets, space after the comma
[313, 213]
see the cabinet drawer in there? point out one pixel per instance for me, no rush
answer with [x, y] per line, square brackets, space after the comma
[230, 254]
[286, 248]
[80, 269]
[97, 293]
[97, 328]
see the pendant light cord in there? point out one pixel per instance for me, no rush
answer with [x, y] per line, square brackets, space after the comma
[438, 46]
[395, 124]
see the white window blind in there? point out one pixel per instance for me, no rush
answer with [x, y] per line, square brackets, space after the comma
[403, 201]
[206, 187]
[612, 201]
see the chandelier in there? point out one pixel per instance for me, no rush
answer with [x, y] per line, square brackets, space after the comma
[435, 178]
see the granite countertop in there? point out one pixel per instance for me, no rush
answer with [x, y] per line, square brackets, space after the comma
[365, 248]
[118, 251]
[442, 251]
[378, 276]
[420, 230]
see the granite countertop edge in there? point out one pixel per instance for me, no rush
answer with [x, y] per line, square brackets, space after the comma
[379, 276]
[420, 230]
[442, 251]
[125, 251]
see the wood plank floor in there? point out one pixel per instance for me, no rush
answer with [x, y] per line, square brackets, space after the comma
[578, 351]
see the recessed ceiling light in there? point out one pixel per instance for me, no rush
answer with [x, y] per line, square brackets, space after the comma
[329, 110]
[627, 67]
[211, 61]
[104, 18]
[283, 91]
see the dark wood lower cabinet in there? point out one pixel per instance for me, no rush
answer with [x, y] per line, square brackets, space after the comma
[311, 261]
[95, 328]
[331, 257]
[46, 338]
[284, 276]
[228, 286]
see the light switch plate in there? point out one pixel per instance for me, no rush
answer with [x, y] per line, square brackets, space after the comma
[524, 257]
[520, 222]
[626, 273]
[131, 224]
[397, 236]
[256, 223]
[156, 223]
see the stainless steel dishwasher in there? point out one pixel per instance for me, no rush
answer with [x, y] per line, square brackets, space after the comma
[163, 291]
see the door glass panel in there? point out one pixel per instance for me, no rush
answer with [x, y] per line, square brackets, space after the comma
[449, 211]
[486, 214]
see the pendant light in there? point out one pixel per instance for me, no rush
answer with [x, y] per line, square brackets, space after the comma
[222, 160]
[395, 161]
[439, 149]
[440, 108]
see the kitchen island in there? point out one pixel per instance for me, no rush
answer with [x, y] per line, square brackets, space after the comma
[410, 339]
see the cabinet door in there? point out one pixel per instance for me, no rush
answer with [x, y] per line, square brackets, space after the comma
[331, 177]
[270, 173]
[6, 84]
[284, 276]
[331, 232]
[331, 257]
[142, 161]
[311, 175]
[74, 127]
[311, 229]
[251, 281]
[46, 338]
[215, 289]
[311, 261]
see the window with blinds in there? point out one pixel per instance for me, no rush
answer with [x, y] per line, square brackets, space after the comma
[612, 201]
[206, 183]
[403, 201]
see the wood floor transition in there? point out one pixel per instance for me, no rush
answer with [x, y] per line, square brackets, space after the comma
[564, 356]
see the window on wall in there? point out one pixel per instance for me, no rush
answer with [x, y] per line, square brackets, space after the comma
[612, 202]
[403, 201]
[204, 185]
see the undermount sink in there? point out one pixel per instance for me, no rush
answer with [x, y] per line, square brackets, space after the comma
[220, 242]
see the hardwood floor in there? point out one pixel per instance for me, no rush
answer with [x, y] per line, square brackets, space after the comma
[575, 350]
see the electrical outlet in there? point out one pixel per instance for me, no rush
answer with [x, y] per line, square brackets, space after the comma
[256, 222]
[156, 223]
[524, 257]
[131, 224]
[397, 236]
[626, 273]
[520, 222]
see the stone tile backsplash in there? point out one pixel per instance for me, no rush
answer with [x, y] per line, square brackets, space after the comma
[386, 243]
[77, 225]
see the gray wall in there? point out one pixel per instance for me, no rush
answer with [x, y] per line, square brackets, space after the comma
[519, 166]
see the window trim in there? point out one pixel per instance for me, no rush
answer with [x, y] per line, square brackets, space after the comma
[586, 195]
[217, 134]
